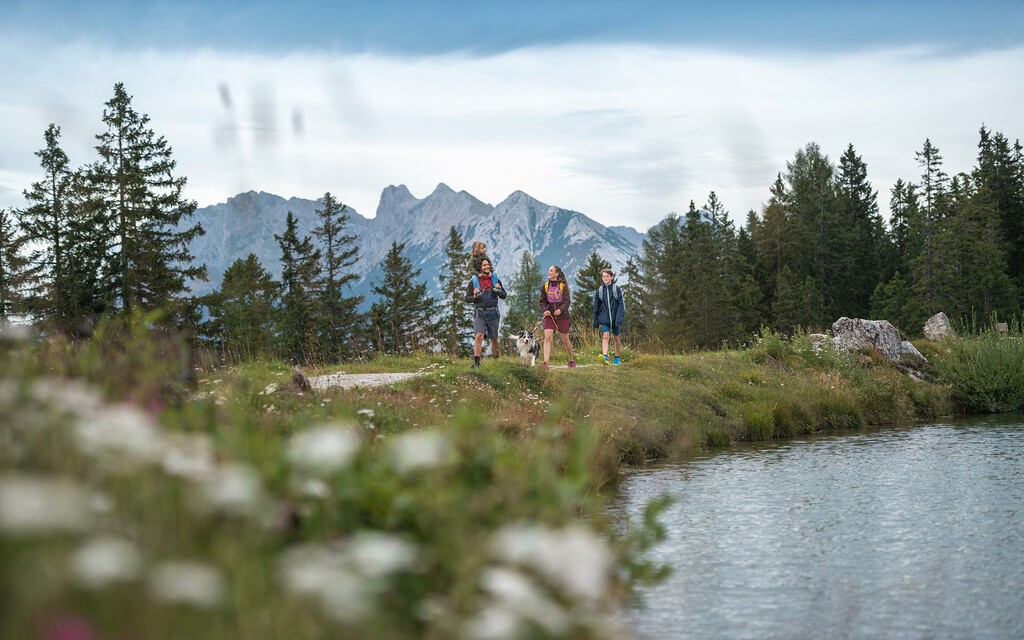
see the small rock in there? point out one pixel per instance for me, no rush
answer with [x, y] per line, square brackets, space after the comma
[938, 327]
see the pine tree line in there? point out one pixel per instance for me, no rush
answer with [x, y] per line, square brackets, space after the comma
[819, 250]
[112, 237]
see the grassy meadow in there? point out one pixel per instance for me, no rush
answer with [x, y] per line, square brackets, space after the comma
[145, 494]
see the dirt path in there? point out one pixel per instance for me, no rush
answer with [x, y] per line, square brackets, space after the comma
[349, 380]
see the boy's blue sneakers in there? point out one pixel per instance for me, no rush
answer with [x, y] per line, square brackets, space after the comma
[604, 358]
[615, 361]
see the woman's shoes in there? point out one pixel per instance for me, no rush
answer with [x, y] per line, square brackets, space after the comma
[572, 364]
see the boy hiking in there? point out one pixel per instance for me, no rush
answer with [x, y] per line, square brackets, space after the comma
[484, 290]
[609, 310]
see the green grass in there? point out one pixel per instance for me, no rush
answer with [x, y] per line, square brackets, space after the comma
[521, 446]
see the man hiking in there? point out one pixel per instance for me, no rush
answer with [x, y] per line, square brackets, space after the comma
[484, 290]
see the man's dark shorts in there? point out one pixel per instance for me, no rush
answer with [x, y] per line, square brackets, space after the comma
[486, 322]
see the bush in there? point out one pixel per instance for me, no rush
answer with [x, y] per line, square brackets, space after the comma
[985, 370]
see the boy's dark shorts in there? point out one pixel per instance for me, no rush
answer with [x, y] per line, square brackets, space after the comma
[612, 330]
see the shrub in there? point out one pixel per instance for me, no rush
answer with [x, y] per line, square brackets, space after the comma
[985, 370]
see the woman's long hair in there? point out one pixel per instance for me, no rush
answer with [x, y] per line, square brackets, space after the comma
[561, 276]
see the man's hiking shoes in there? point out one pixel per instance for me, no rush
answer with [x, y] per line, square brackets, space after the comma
[604, 358]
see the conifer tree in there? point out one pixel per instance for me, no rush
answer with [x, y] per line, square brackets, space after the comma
[817, 231]
[928, 267]
[660, 263]
[342, 323]
[772, 241]
[635, 324]
[299, 315]
[403, 315]
[861, 253]
[999, 180]
[143, 210]
[242, 311]
[17, 273]
[586, 282]
[523, 293]
[456, 327]
[46, 224]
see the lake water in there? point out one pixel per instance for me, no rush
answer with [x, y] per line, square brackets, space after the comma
[914, 532]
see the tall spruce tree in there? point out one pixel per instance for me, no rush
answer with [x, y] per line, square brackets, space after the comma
[46, 224]
[772, 242]
[635, 324]
[17, 273]
[661, 262]
[523, 293]
[343, 326]
[299, 315]
[242, 311]
[144, 211]
[586, 282]
[928, 267]
[456, 328]
[999, 179]
[818, 233]
[403, 315]
[860, 259]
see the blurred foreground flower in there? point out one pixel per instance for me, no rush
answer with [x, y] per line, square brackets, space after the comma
[417, 450]
[232, 489]
[105, 560]
[324, 449]
[188, 455]
[346, 577]
[121, 436]
[186, 582]
[573, 558]
[516, 601]
[325, 574]
[39, 505]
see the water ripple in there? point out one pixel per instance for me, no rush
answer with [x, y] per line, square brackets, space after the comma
[899, 533]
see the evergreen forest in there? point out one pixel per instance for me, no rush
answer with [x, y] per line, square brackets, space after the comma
[111, 238]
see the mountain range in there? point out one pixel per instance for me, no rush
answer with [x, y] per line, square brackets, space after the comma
[246, 223]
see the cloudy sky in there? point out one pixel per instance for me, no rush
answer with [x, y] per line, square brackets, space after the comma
[624, 111]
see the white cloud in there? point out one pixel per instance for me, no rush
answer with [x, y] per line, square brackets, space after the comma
[624, 134]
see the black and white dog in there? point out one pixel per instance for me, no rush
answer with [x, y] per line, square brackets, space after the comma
[529, 348]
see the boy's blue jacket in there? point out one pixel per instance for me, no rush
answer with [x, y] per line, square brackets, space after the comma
[609, 307]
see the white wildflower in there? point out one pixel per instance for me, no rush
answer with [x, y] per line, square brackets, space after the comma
[234, 489]
[367, 414]
[516, 592]
[315, 488]
[417, 450]
[376, 555]
[573, 558]
[121, 434]
[106, 560]
[494, 623]
[187, 582]
[71, 396]
[188, 455]
[269, 389]
[323, 449]
[325, 574]
[40, 505]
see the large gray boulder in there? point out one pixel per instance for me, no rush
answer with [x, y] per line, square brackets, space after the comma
[938, 327]
[855, 334]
